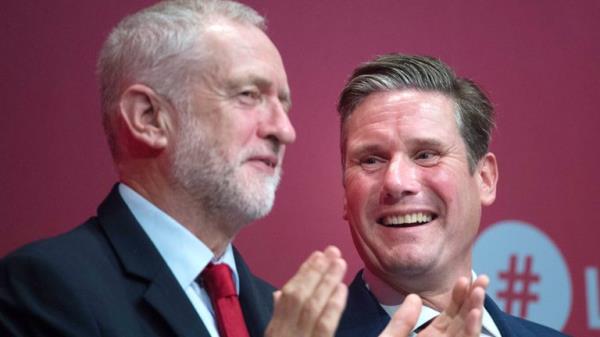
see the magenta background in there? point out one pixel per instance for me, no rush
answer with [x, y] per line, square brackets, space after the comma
[539, 61]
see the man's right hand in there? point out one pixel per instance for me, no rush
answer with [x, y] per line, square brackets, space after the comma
[311, 303]
[462, 318]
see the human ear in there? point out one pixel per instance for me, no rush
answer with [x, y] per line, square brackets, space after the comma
[488, 178]
[145, 115]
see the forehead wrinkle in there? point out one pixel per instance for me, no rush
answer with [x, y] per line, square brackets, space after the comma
[253, 79]
[425, 143]
[377, 137]
[259, 81]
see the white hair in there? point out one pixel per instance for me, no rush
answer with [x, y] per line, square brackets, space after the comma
[160, 47]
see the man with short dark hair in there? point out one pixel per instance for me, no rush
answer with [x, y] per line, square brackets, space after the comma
[416, 173]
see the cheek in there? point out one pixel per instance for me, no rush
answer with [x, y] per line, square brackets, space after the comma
[458, 195]
[442, 183]
[237, 127]
[359, 190]
[354, 197]
[240, 135]
[362, 201]
[238, 142]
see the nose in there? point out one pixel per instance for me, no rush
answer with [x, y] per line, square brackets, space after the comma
[401, 179]
[277, 125]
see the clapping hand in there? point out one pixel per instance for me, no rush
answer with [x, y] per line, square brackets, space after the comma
[311, 303]
[462, 318]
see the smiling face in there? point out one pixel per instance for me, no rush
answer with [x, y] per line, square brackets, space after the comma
[412, 204]
[230, 145]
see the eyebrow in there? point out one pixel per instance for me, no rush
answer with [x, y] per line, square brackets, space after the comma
[375, 147]
[363, 149]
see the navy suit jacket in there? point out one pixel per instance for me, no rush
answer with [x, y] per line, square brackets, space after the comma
[364, 317]
[106, 278]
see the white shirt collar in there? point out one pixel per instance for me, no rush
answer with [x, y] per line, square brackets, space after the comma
[427, 313]
[183, 252]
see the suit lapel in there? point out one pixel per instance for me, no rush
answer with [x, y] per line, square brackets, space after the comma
[167, 298]
[256, 299]
[143, 262]
[363, 315]
[507, 329]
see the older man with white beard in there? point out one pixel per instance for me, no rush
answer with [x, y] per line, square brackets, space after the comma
[195, 104]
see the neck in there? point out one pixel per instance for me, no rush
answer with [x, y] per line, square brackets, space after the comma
[179, 205]
[436, 292]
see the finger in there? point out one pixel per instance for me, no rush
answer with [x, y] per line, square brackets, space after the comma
[452, 319]
[463, 324]
[276, 296]
[473, 323]
[460, 303]
[460, 294]
[448, 318]
[329, 319]
[476, 299]
[482, 281]
[295, 292]
[315, 304]
[405, 318]
[332, 252]
[476, 296]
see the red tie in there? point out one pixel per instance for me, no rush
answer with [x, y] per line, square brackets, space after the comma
[218, 282]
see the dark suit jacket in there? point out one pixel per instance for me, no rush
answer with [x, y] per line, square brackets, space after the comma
[106, 278]
[364, 317]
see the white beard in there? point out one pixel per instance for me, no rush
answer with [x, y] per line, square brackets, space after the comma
[224, 190]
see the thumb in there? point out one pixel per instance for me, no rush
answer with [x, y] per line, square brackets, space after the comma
[276, 296]
[405, 318]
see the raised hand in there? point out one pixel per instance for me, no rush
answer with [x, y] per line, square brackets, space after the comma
[311, 303]
[462, 318]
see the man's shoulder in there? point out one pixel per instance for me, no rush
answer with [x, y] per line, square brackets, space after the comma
[84, 246]
[70, 251]
[515, 326]
[69, 242]
[534, 328]
[57, 277]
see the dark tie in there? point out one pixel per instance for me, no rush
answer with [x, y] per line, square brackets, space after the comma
[218, 282]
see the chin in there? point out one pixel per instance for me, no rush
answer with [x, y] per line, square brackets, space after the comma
[405, 263]
[256, 202]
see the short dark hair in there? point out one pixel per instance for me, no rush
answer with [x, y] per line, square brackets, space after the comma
[474, 112]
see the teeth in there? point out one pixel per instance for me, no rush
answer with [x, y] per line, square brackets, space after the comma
[407, 219]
